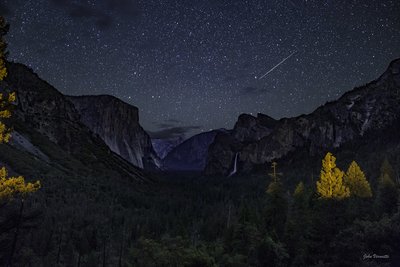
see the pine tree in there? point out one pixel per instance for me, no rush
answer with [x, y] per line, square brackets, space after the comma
[355, 180]
[331, 184]
[276, 208]
[10, 187]
[3, 46]
[5, 113]
[299, 191]
[277, 203]
[387, 197]
[386, 168]
[5, 100]
[298, 226]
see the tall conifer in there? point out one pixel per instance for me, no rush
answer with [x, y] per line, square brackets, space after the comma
[355, 180]
[331, 184]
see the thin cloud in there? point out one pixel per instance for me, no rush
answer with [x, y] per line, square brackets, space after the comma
[169, 123]
[165, 125]
[101, 12]
[172, 132]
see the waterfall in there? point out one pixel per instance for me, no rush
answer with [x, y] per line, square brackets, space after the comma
[234, 165]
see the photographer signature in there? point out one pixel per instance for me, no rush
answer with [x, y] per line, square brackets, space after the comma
[375, 256]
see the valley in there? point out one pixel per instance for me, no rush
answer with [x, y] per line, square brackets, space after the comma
[83, 183]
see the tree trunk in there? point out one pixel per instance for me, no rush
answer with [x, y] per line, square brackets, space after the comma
[121, 249]
[79, 259]
[120, 252]
[228, 221]
[59, 244]
[104, 253]
[14, 243]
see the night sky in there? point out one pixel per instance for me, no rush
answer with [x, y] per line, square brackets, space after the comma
[192, 66]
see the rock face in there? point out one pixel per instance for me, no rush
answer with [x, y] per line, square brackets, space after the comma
[44, 109]
[163, 146]
[49, 130]
[191, 154]
[357, 115]
[117, 124]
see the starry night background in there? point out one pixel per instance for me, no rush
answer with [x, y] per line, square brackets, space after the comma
[192, 66]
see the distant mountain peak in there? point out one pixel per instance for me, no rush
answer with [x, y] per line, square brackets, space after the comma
[191, 154]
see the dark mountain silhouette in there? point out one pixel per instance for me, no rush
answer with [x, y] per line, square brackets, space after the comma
[50, 137]
[163, 146]
[190, 155]
[364, 115]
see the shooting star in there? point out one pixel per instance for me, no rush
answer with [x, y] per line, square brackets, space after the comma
[277, 65]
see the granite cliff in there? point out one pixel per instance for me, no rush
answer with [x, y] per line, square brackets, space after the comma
[358, 116]
[117, 124]
[49, 137]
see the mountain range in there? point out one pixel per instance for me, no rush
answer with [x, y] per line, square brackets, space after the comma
[103, 134]
[366, 115]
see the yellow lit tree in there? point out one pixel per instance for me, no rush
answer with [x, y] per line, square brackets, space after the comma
[355, 180]
[5, 113]
[5, 99]
[10, 187]
[331, 185]
[3, 47]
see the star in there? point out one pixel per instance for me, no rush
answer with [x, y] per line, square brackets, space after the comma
[202, 63]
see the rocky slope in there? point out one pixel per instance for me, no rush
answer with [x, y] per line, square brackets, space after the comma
[117, 124]
[49, 138]
[357, 116]
[191, 154]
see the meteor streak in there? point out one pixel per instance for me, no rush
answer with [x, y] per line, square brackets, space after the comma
[277, 65]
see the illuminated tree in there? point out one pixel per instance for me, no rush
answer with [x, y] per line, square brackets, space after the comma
[10, 187]
[5, 113]
[355, 180]
[331, 184]
[3, 46]
[5, 100]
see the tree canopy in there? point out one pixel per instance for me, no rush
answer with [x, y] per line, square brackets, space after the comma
[331, 183]
[357, 183]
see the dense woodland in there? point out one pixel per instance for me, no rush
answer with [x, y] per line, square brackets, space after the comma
[341, 217]
[238, 221]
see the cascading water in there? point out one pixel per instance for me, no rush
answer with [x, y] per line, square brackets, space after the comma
[234, 165]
